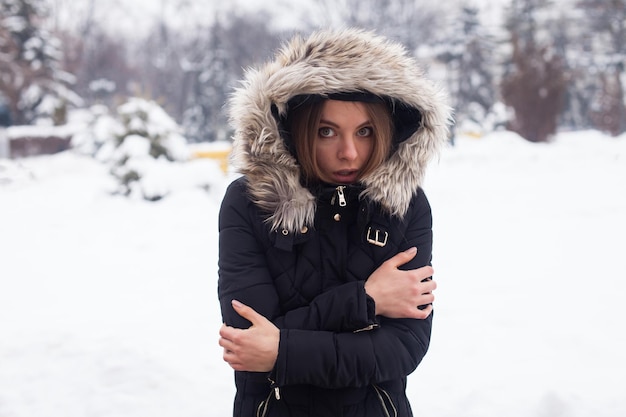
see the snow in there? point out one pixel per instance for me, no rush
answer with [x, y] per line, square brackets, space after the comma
[108, 304]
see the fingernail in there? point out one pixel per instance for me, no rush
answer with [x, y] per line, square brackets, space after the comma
[411, 250]
[236, 304]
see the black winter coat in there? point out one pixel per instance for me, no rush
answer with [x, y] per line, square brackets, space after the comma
[300, 258]
[336, 358]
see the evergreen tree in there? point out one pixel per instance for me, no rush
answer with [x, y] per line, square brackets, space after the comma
[32, 78]
[606, 20]
[214, 63]
[467, 50]
[572, 43]
[205, 119]
[411, 22]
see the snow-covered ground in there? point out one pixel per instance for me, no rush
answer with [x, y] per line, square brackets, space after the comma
[108, 305]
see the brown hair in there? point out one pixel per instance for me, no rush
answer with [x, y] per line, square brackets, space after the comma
[304, 124]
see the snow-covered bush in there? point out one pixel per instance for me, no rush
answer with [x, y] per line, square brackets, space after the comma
[147, 142]
[98, 127]
[144, 150]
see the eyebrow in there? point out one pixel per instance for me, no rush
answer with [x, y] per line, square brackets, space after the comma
[328, 122]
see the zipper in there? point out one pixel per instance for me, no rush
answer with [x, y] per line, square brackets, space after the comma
[383, 403]
[262, 408]
[275, 388]
[340, 195]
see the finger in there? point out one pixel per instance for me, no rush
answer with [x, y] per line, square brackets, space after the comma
[233, 361]
[422, 313]
[425, 273]
[402, 257]
[237, 366]
[427, 286]
[425, 299]
[227, 332]
[247, 312]
[226, 344]
[228, 356]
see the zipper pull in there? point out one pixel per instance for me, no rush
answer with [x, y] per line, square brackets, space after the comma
[275, 388]
[342, 197]
[366, 328]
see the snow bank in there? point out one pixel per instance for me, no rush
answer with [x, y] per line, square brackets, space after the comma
[108, 305]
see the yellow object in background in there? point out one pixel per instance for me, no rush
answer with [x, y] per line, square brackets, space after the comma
[218, 151]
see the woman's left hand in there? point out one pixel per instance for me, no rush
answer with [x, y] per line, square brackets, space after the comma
[254, 349]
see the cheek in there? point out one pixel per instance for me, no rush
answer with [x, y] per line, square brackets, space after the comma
[322, 154]
[324, 159]
[366, 149]
[321, 160]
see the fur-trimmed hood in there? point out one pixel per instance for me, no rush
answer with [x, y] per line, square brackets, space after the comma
[326, 63]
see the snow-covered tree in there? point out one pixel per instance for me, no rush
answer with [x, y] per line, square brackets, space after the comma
[535, 83]
[606, 28]
[213, 63]
[411, 22]
[466, 48]
[32, 78]
[148, 140]
[570, 40]
[205, 118]
[100, 62]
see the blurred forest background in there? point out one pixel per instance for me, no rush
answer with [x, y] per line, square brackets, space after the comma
[538, 67]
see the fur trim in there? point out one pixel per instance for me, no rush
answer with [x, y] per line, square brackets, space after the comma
[329, 62]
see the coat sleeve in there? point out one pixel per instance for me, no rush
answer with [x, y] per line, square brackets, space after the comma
[391, 351]
[244, 275]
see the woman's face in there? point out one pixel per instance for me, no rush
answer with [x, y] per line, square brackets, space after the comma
[344, 141]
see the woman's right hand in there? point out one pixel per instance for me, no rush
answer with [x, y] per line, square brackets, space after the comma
[398, 293]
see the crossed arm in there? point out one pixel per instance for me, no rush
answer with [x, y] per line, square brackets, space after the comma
[285, 342]
[397, 293]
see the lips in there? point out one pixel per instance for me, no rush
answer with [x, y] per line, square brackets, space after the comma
[346, 176]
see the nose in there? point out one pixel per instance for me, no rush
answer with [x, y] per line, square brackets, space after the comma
[348, 149]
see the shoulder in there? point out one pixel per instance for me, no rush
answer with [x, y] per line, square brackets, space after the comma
[420, 196]
[419, 211]
[236, 193]
[418, 206]
[236, 203]
[419, 201]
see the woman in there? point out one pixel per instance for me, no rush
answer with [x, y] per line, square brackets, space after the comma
[325, 241]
